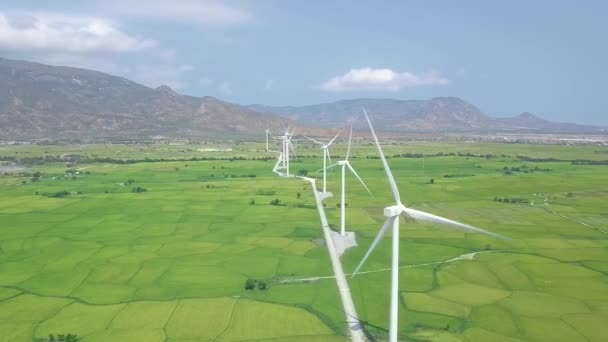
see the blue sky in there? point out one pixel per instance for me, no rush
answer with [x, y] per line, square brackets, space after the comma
[546, 57]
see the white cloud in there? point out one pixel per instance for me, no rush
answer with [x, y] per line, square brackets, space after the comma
[381, 80]
[205, 12]
[52, 32]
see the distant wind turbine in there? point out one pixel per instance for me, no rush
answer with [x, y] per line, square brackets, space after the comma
[286, 149]
[392, 215]
[326, 157]
[267, 135]
[346, 164]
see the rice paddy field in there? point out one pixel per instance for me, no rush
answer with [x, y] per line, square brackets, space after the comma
[161, 248]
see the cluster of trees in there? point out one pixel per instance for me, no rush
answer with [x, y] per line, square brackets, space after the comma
[524, 168]
[252, 284]
[457, 176]
[511, 200]
[263, 192]
[442, 154]
[250, 175]
[109, 160]
[63, 337]
[275, 201]
[139, 189]
[36, 176]
[58, 194]
[539, 160]
[589, 162]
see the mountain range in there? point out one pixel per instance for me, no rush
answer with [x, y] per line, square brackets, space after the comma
[39, 101]
[440, 114]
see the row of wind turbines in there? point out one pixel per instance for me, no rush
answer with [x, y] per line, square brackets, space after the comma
[283, 164]
[393, 213]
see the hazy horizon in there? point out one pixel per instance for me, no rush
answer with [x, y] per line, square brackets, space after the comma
[546, 58]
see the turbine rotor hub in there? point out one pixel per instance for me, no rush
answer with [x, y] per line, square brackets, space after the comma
[393, 211]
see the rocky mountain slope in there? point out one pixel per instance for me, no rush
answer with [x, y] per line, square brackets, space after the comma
[38, 101]
[45, 101]
[440, 114]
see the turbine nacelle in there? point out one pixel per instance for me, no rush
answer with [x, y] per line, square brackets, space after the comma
[394, 210]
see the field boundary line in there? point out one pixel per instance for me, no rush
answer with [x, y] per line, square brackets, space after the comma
[179, 301]
[236, 302]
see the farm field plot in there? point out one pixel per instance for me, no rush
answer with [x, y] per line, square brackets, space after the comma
[159, 250]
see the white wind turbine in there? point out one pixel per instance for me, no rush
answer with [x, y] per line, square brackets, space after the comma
[267, 135]
[346, 164]
[326, 157]
[286, 147]
[392, 215]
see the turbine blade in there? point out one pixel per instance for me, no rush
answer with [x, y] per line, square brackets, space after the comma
[387, 169]
[291, 147]
[387, 224]
[350, 138]
[329, 156]
[329, 167]
[424, 216]
[359, 178]
[334, 138]
[313, 140]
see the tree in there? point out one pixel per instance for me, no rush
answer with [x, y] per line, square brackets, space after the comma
[51, 337]
[303, 173]
[262, 285]
[250, 284]
[432, 181]
[298, 195]
[251, 201]
[275, 201]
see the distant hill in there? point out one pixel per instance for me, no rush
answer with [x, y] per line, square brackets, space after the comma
[38, 100]
[440, 114]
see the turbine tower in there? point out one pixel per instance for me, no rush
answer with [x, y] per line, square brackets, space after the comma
[267, 134]
[346, 164]
[326, 157]
[392, 215]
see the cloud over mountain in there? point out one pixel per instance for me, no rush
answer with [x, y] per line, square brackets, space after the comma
[381, 80]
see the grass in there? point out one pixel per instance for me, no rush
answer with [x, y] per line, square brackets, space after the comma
[170, 263]
[256, 320]
[187, 321]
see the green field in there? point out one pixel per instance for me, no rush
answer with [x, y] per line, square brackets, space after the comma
[83, 253]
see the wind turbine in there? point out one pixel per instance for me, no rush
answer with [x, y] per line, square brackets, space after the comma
[286, 147]
[392, 215]
[326, 157]
[346, 164]
[267, 134]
